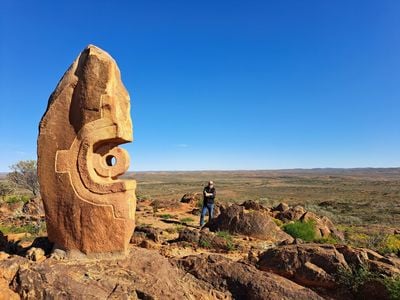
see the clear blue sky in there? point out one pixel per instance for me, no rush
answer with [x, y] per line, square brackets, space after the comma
[218, 84]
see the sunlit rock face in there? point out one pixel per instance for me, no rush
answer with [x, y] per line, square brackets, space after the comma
[88, 208]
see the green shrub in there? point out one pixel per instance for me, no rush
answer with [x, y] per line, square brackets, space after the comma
[28, 228]
[205, 243]
[228, 239]
[224, 234]
[277, 222]
[199, 203]
[165, 216]
[393, 286]
[391, 244]
[301, 230]
[18, 198]
[355, 277]
[327, 240]
[186, 220]
[142, 197]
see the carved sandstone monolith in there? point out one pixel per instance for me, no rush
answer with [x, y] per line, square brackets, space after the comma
[88, 208]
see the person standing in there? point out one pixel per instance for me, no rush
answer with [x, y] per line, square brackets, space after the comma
[208, 202]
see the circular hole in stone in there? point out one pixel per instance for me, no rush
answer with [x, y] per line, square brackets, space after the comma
[111, 160]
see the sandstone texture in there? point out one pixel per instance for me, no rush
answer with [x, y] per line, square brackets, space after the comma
[316, 265]
[88, 208]
[142, 274]
[243, 281]
[257, 224]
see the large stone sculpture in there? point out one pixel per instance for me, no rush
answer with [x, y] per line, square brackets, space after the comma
[88, 208]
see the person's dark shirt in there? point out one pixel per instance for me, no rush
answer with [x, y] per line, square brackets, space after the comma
[209, 199]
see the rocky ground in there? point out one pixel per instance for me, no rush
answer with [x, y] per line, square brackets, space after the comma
[243, 253]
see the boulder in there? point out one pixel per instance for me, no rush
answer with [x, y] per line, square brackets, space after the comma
[281, 207]
[290, 214]
[150, 232]
[372, 290]
[35, 254]
[190, 236]
[256, 224]
[34, 207]
[307, 264]
[253, 205]
[316, 265]
[241, 280]
[191, 198]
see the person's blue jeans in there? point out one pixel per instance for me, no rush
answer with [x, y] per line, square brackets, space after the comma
[207, 207]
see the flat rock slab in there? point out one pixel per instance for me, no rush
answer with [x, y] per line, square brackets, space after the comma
[143, 274]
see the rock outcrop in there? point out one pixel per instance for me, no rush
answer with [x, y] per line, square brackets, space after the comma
[34, 207]
[316, 265]
[206, 239]
[324, 227]
[88, 208]
[256, 224]
[242, 281]
[253, 205]
[191, 198]
[142, 274]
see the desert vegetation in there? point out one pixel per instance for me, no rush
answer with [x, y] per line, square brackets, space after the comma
[363, 204]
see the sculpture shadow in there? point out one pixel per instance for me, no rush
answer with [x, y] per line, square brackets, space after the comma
[14, 248]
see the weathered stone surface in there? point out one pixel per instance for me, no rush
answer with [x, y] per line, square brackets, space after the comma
[191, 198]
[253, 205]
[34, 207]
[35, 254]
[290, 214]
[142, 274]
[88, 208]
[281, 207]
[316, 265]
[256, 224]
[242, 281]
[310, 264]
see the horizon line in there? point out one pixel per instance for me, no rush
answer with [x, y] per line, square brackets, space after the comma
[249, 170]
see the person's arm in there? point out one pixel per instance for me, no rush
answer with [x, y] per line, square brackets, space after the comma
[214, 193]
[207, 194]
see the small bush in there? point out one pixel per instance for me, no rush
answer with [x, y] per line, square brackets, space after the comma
[301, 230]
[34, 228]
[16, 199]
[327, 240]
[205, 243]
[142, 197]
[179, 227]
[355, 277]
[156, 205]
[393, 286]
[165, 216]
[391, 244]
[224, 234]
[277, 222]
[228, 239]
[199, 203]
[186, 220]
